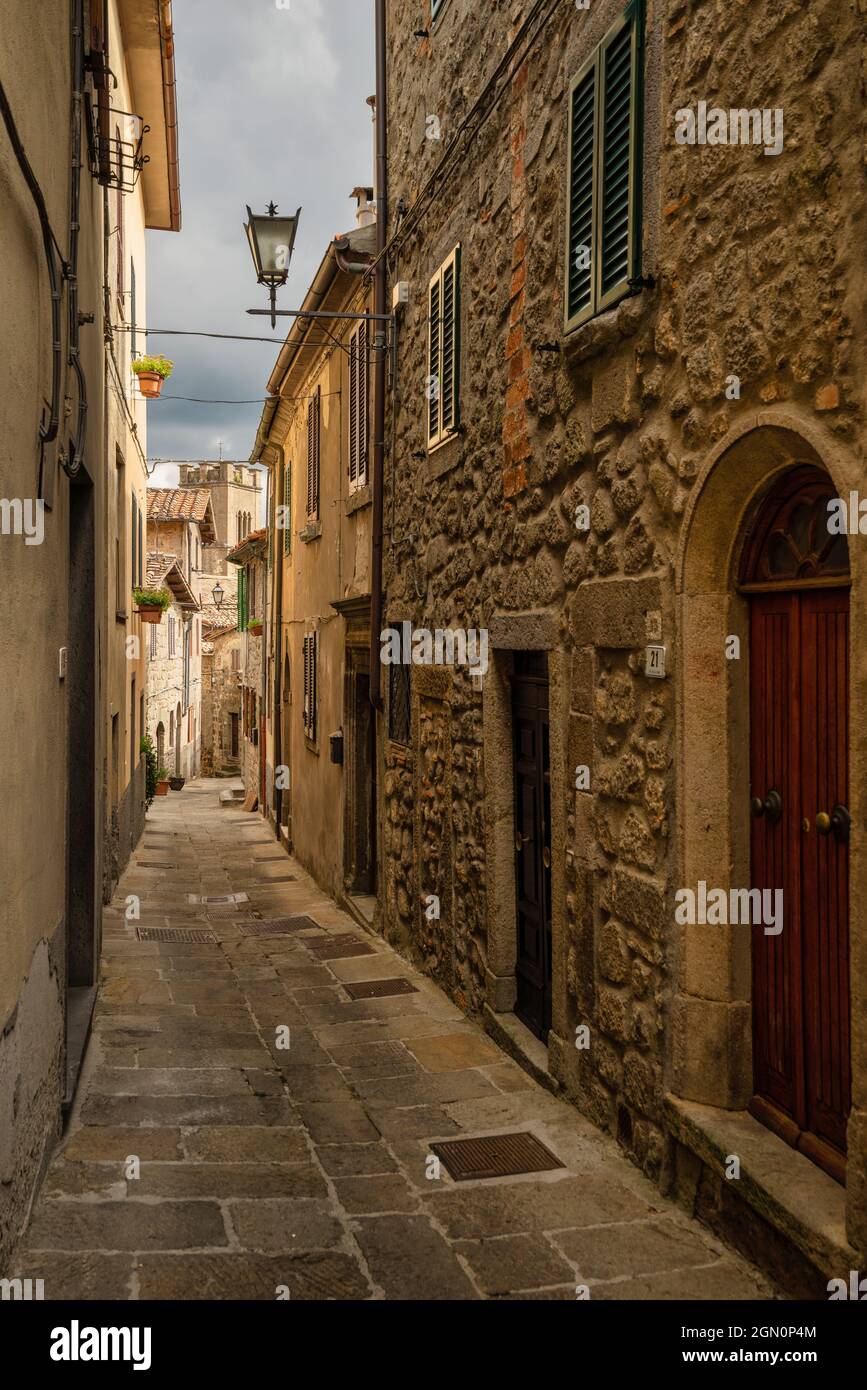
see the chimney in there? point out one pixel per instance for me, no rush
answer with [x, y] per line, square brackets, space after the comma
[365, 212]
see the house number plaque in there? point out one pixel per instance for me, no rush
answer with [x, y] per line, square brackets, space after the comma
[654, 662]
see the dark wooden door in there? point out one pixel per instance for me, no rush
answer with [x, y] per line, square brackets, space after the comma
[234, 724]
[799, 741]
[532, 841]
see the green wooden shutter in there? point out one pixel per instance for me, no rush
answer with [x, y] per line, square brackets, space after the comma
[616, 172]
[450, 342]
[434, 385]
[242, 617]
[582, 146]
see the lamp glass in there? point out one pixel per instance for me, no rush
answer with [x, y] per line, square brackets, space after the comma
[271, 240]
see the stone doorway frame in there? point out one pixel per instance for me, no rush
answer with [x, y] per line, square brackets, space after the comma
[509, 633]
[710, 1038]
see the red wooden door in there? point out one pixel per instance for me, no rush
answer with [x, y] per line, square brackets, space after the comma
[799, 742]
[796, 573]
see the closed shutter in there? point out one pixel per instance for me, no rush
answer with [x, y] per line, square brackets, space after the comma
[133, 542]
[443, 385]
[310, 653]
[287, 509]
[604, 172]
[140, 549]
[242, 603]
[358, 416]
[616, 161]
[313, 416]
[582, 128]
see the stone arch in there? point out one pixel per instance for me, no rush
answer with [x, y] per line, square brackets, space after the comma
[710, 1057]
[161, 744]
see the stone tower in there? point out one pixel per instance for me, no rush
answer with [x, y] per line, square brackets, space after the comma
[235, 490]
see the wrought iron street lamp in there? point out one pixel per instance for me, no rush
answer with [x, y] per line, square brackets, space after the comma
[271, 241]
[218, 592]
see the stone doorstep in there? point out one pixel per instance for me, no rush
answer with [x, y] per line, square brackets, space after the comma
[805, 1206]
[515, 1038]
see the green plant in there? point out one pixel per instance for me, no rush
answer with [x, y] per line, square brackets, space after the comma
[163, 774]
[254, 623]
[161, 365]
[146, 746]
[152, 598]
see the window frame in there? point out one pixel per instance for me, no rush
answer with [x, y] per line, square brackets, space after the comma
[314, 433]
[632, 17]
[441, 436]
[310, 653]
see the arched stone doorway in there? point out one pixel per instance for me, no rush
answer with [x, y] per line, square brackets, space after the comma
[178, 740]
[712, 1059]
[161, 744]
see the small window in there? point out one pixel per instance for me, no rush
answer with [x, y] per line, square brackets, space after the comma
[313, 431]
[399, 703]
[443, 368]
[154, 636]
[603, 245]
[310, 682]
[171, 630]
[358, 415]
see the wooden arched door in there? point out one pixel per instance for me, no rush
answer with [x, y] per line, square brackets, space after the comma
[796, 574]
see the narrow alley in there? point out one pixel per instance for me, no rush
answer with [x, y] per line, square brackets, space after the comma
[206, 1159]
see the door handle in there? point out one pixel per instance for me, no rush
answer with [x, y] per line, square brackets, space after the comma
[837, 823]
[772, 806]
[520, 840]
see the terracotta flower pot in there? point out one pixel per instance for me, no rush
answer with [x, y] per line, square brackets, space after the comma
[255, 629]
[151, 615]
[150, 384]
[163, 788]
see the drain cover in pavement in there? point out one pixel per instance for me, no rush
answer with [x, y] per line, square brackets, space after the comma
[378, 989]
[275, 878]
[278, 926]
[496, 1156]
[188, 935]
[153, 864]
[340, 947]
[223, 899]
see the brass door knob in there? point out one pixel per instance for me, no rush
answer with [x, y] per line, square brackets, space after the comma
[546, 857]
[823, 823]
[520, 840]
[772, 806]
[838, 822]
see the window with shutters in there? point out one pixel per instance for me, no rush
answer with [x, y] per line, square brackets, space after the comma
[442, 387]
[171, 630]
[313, 431]
[358, 413]
[287, 509]
[603, 243]
[310, 654]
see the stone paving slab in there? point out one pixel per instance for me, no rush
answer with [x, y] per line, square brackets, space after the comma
[282, 1130]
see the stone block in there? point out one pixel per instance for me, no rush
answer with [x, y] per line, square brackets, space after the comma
[614, 399]
[611, 612]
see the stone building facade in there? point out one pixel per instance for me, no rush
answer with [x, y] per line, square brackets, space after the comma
[250, 558]
[74, 205]
[174, 716]
[221, 700]
[639, 350]
[316, 436]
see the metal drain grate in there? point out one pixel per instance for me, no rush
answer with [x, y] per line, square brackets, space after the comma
[496, 1156]
[153, 864]
[340, 948]
[187, 935]
[275, 878]
[218, 899]
[378, 989]
[278, 926]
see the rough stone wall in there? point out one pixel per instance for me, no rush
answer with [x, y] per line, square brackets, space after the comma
[165, 692]
[758, 268]
[221, 697]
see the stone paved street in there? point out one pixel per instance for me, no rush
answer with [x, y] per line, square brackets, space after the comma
[262, 1167]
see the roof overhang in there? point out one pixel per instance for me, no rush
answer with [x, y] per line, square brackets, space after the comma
[149, 46]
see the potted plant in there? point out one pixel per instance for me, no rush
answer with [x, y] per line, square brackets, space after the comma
[254, 626]
[176, 783]
[162, 782]
[152, 603]
[151, 373]
[150, 756]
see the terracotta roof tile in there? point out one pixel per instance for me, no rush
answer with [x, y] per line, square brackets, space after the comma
[183, 504]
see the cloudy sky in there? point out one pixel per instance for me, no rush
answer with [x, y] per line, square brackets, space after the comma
[271, 105]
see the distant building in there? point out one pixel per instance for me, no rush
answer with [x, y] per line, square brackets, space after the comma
[251, 558]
